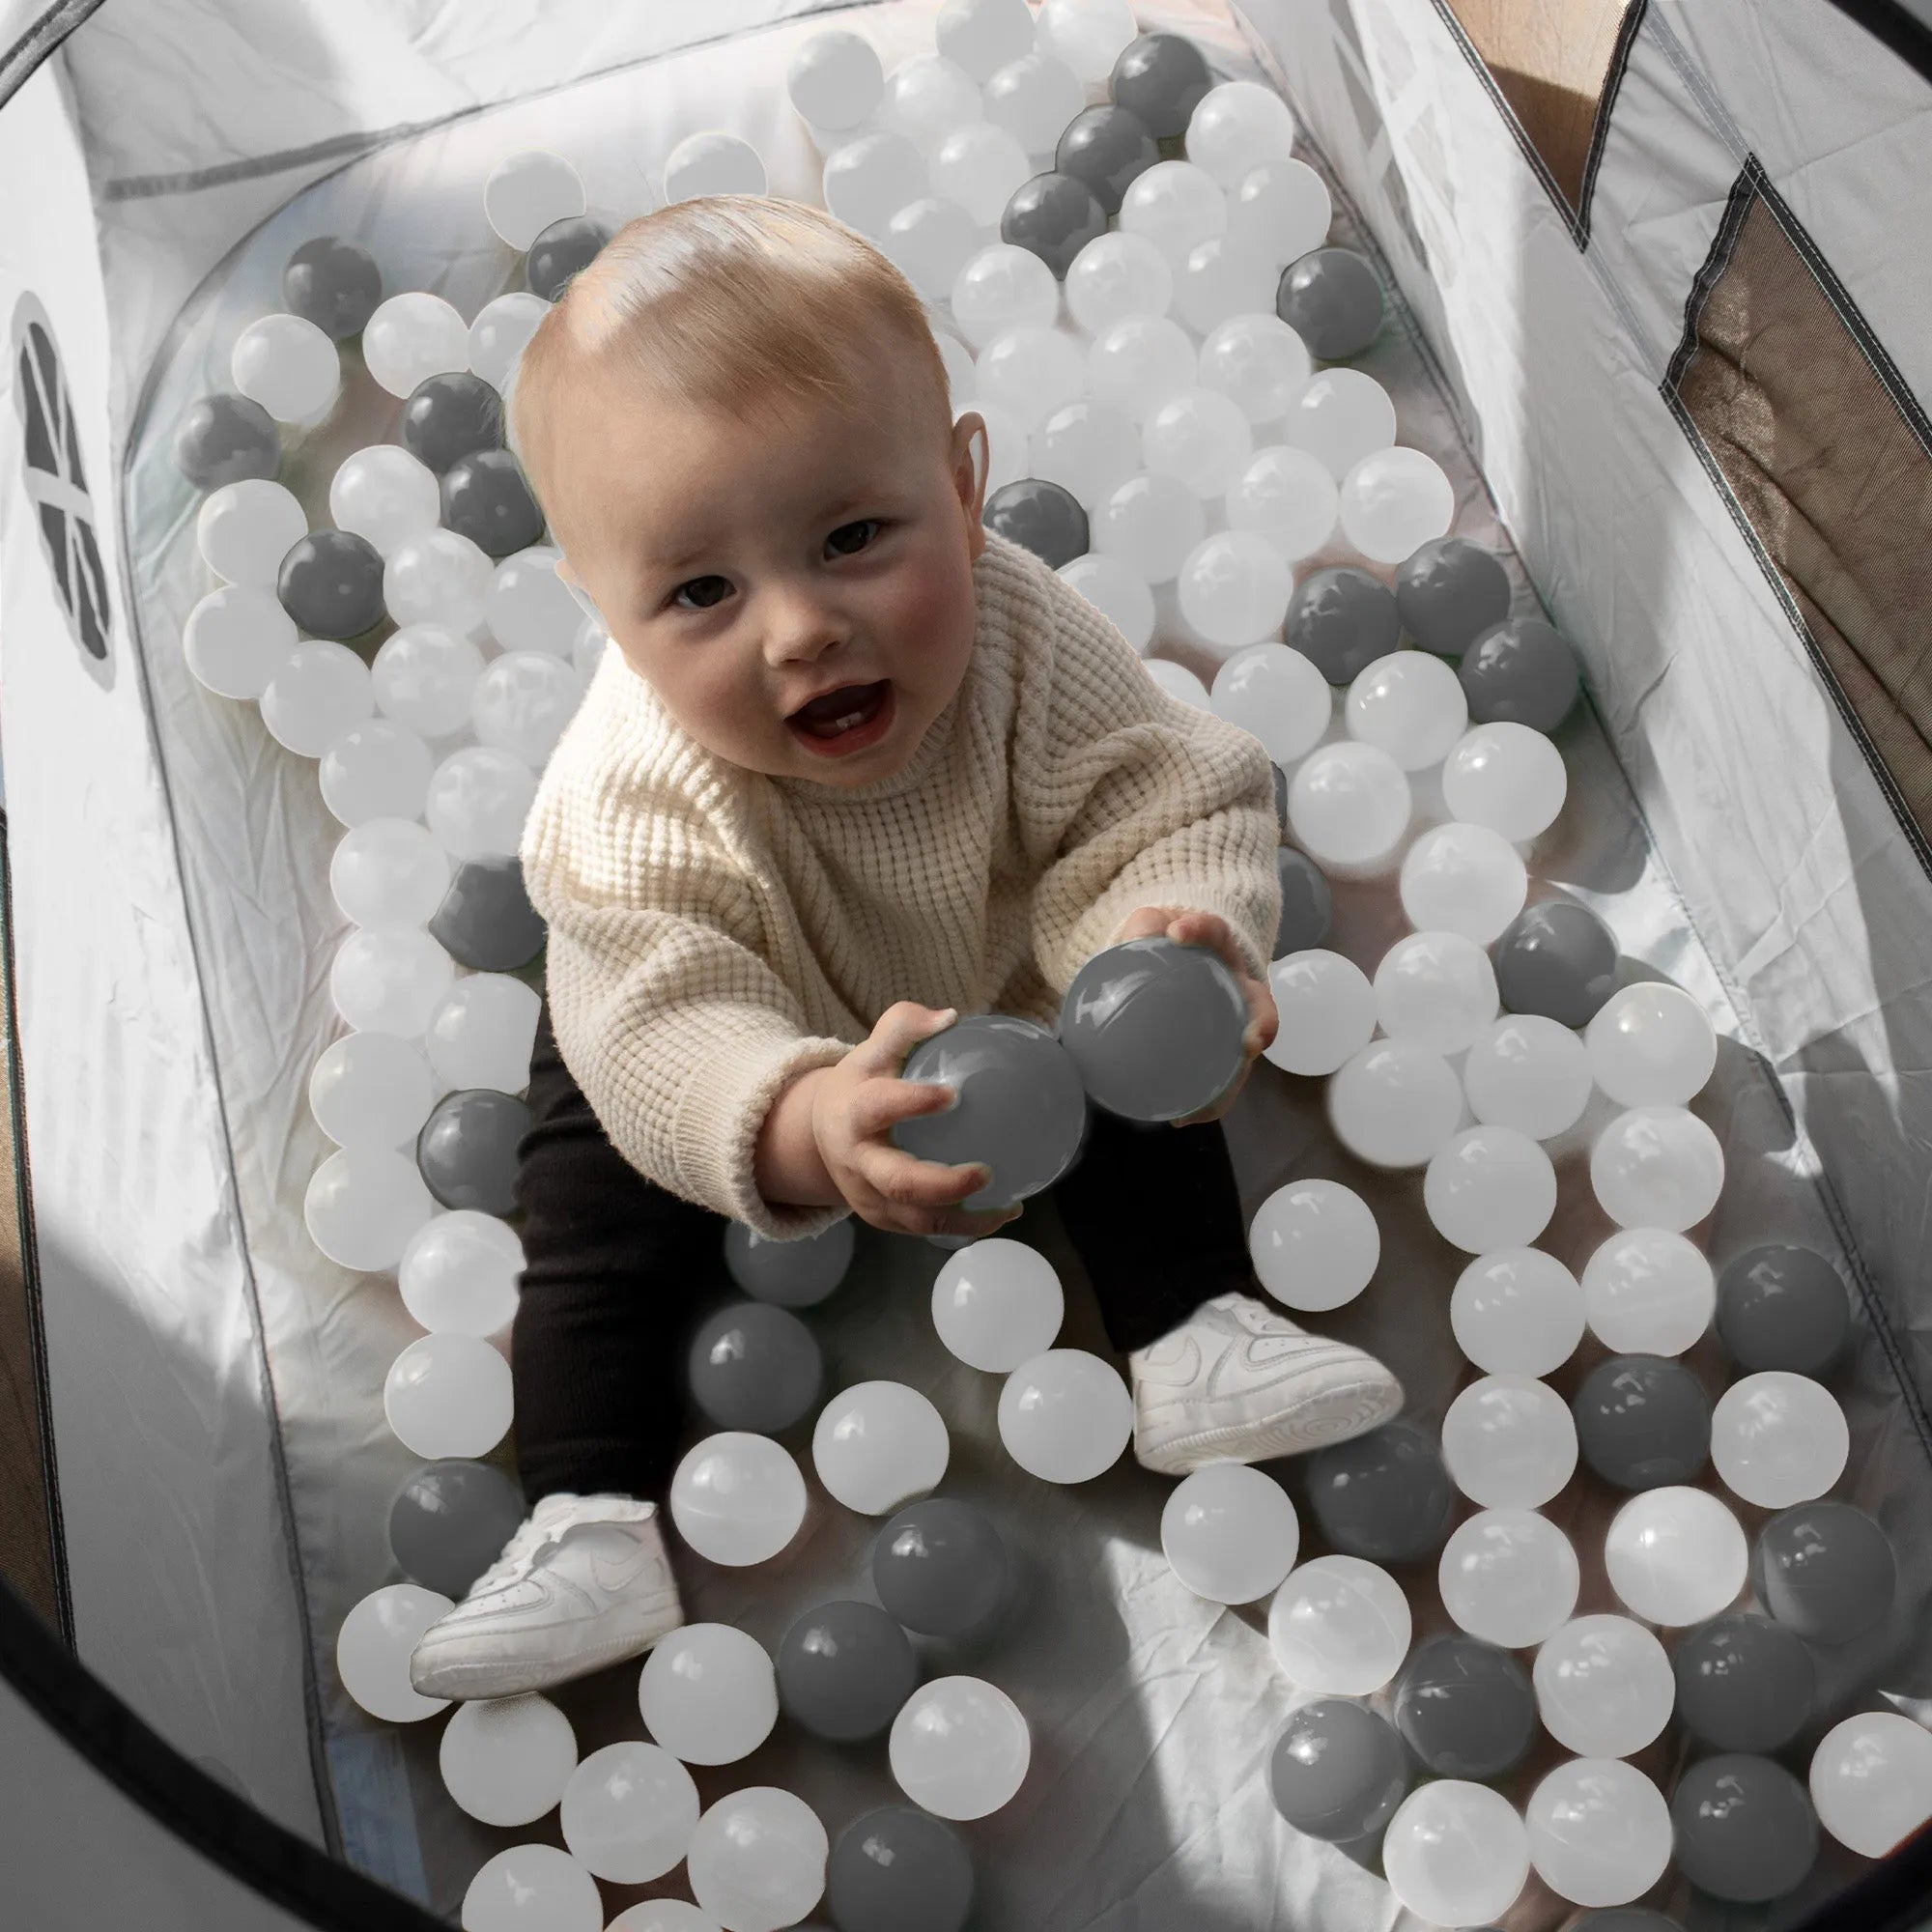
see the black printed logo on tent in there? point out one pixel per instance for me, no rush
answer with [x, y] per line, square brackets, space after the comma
[57, 485]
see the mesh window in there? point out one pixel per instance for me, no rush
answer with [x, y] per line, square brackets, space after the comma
[1829, 459]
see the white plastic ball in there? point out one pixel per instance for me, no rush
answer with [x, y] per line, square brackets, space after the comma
[385, 494]
[1395, 500]
[448, 1395]
[506, 1760]
[529, 606]
[1509, 1442]
[836, 79]
[390, 982]
[737, 1498]
[1236, 126]
[757, 1860]
[1437, 989]
[1675, 1555]
[439, 578]
[1604, 1687]
[1341, 415]
[1315, 1245]
[878, 1444]
[1325, 1008]
[425, 676]
[237, 639]
[1657, 1167]
[1066, 1415]
[378, 769]
[1033, 98]
[1260, 364]
[1001, 289]
[1490, 1188]
[663, 1914]
[929, 98]
[246, 530]
[962, 379]
[478, 799]
[522, 702]
[1509, 1576]
[288, 365]
[1276, 693]
[628, 1812]
[1651, 1045]
[483, 1033]
[1281, 210]
[712, 162]
[868, 180]
[1507, 777]
[373, 1647]
[1599, 1831]
[1871, 1781]
[1339, 1626]
[1030, 372]
[1229, 1533]
[1516, 1312]
[500, 334]
[1176, 206]
[1233, 588]
[1287, 495]
[959, 1747]
[998, 1303]
[388, 875]
[412, 337]
[531, 1888]
[1220, 281]
[1529, 1072]
[1178, 681]
[1089, 35]
[1119, 595]
[1778, 1438]
[527, 192]
[1117, 275]
[1138, 362]
[1203, 438]
[1649, 1291]
[1395, 1104]
[1005, 441]
[372, 1091]
[458, 1274]
[1463, 878]
[1456, 1853]
[1348, 806]
[980, 167]
[929, 240]
[1411, 705]
[709, 1693]
[1151, 524]
[318, 692]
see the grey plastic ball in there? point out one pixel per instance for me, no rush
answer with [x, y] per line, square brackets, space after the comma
[486, 920]
[1280, 796]
[227, 438]
[1449, 592]
[897, 1869]
[450, 1520]
[1744, 1683]
[844, 1669]
[941, 1567]
[754, 1367]
[1053, 215]
[1040, 517]
[789, 1274]
[1384, 1496]
[1783, 1307]
[1162, 79]
[1337, 1770]
[1826, 1569]
[1021, 1109]
[1154, 1027]
[467, 1150]
[1106, 147]
[487, 499]
[331, 585]
[562, 250]
[1307, 904]
[1626, 1918]
[1465, 1707]
[1744, 1828]
[1557, 959]
[1520, 672]
[333, 284]
[449, 416]
[1343, 621]
[1643, 1422]
[1332, 298]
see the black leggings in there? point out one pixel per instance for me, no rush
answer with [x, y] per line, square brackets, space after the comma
[618, 1270]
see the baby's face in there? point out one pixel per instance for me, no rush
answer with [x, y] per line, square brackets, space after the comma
[744, 569]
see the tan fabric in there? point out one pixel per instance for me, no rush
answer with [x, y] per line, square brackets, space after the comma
[1834, 478]
[714, 931]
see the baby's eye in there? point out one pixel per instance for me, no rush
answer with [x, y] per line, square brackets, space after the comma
[859, 525]
[708, 604]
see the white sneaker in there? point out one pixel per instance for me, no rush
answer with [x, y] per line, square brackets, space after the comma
[582, 1584]
[1238, 1383]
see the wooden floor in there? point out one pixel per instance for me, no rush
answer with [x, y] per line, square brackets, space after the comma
[26, 1545]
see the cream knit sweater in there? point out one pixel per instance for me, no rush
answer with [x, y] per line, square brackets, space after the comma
[715, 931]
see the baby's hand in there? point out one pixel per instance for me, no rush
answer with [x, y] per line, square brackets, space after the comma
[1207, 929]
[852, 1108]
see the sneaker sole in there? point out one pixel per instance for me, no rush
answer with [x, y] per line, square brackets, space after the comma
[458, 1678]
[1338, 1416]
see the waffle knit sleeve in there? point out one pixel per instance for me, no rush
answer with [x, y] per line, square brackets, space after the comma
[1141, 799]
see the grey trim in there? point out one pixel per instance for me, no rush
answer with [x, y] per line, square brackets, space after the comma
[20, 61]
[1606, 105]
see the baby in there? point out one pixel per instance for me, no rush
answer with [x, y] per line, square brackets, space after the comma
[856, 764]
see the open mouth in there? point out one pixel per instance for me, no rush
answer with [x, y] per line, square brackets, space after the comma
[844, 718]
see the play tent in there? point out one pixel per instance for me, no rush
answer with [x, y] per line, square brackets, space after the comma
[1661, 277]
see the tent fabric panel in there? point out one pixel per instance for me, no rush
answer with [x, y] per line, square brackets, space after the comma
[184, 1601]
[30, 30]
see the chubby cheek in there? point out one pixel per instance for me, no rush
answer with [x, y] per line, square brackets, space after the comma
[931, 613]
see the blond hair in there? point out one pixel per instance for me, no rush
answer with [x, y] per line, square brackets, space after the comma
[745, 304]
